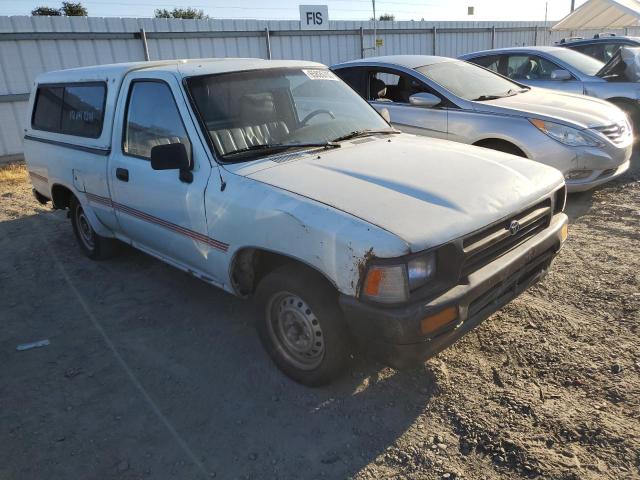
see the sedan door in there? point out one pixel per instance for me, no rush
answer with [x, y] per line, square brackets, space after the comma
[537, 71]
[390, 88]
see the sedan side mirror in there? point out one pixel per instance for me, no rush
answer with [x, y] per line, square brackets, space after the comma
[560, 75]
[172, 156]
[424, 99]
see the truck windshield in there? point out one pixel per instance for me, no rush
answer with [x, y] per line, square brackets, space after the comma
[469, 81]
[255, 113]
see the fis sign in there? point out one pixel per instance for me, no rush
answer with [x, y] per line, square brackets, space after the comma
[314, 17]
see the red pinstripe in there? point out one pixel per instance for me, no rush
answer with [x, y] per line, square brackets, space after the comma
[158, 221]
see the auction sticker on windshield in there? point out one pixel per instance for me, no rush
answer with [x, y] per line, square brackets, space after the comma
[317, 74]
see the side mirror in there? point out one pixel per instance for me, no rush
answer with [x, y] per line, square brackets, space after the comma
[424, 99]
[172, 156]
[560, 75]
[384, 113]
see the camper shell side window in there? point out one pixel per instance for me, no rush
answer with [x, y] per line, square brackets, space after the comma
[71, 108]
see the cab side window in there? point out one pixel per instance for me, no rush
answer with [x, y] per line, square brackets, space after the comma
[152, 119]
[394, 87]
[529, 67]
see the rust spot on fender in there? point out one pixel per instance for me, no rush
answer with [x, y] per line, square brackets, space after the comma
[361, 265]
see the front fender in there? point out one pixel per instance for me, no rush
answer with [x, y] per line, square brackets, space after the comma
[332, 242]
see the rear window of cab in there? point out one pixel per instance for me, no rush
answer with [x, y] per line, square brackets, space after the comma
[72, 109]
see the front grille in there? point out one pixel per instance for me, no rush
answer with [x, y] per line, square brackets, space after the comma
[617, 133]
[483, 247]
[504, 291]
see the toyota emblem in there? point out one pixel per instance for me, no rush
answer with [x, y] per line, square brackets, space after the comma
[514, 227]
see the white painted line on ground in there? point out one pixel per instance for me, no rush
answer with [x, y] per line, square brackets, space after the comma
[183, 444]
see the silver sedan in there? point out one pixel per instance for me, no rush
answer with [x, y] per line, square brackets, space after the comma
[587, 139]
[567, 70]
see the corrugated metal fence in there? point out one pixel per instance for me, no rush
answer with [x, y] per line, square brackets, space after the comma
[31, 45]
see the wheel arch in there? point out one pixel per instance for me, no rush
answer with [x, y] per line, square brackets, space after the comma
[62, 195]
[251, 263]
[509, 144]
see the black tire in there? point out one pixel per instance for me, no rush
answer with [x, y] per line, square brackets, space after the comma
[92, 245]
[316, 318]
[502, 146]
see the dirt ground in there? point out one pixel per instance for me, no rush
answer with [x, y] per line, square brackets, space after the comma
[153, 374]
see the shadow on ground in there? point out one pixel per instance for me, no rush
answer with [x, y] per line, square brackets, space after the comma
[70, 410]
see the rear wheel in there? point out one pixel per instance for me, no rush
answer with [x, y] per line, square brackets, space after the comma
[301, 325]
[93, 245]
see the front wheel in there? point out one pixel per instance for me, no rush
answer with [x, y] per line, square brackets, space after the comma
[301, 325]
[93, 245]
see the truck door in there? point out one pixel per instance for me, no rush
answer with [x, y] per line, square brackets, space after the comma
[156, 210]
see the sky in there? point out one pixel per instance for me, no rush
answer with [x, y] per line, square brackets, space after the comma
[498, 10]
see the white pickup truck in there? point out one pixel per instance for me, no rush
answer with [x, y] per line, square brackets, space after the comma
[274, 180]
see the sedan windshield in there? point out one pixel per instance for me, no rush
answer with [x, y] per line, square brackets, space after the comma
[261, 112]
[579, 61]
[469, 81]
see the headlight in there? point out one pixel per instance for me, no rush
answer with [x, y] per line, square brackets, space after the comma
[563, 134]
[393, 283]
[420, 270]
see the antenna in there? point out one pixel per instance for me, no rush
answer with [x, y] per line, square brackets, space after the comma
[223, 184]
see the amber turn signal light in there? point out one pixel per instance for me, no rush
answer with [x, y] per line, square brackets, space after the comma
[434, 322]
[564, 233]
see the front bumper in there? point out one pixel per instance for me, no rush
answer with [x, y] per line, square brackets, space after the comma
[393, 334]
[599, 164]
[597, 177]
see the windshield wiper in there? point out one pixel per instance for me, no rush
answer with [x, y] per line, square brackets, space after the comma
[277, 147]
[509, 93]
[482, 98]
[365, 133]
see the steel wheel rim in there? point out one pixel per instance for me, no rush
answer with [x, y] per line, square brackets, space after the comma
[84, 228]
[295, 331]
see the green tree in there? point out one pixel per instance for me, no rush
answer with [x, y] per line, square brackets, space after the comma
[184, 13]
[71, 9]
[45, 12]
[387, 17]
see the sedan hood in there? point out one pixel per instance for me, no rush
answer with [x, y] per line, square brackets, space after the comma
[425, 191]
[576, 110]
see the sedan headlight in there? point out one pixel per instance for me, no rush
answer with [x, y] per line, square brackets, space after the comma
[563, 134]
[393, 283]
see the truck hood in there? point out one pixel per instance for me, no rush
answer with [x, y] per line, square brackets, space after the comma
[425, 191]
[575, 110]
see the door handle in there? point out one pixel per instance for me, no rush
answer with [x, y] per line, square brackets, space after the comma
[122, 174]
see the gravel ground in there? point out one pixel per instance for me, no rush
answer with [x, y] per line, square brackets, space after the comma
[153, 374]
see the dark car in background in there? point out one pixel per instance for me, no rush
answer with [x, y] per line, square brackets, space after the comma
[603, 46]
